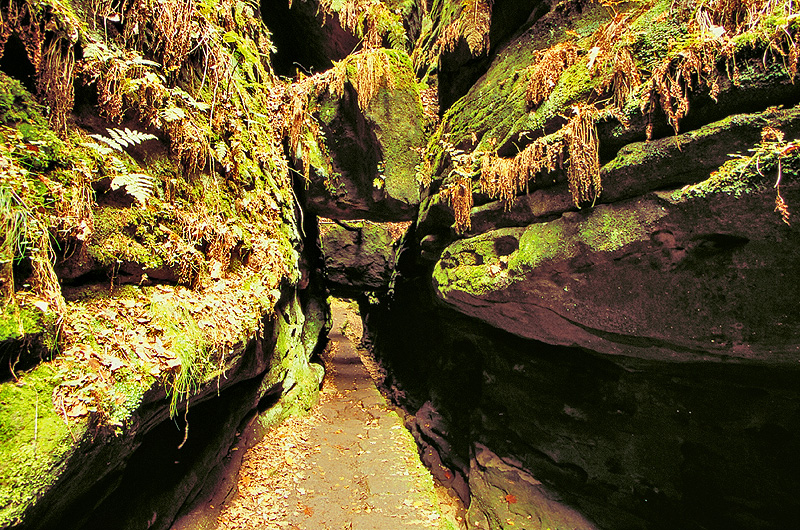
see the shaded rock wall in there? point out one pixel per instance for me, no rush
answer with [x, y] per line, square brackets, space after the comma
[626, 443]
[158, 469]
[361, 157]
[358, 257]
[631, 363]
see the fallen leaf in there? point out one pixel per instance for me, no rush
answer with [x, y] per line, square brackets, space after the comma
[78, 409]
[511, 499]
[111, 362]
[172, 363]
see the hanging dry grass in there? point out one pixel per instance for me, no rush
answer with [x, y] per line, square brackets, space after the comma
[583, 172]
[717, 22]
[21, 19]
[740, 15]
[108, 74]
[610, 56]
[674, 79]
[74, 220]
[44, 280]
[55, 82]
[188, 145]
[547, 69]
[476, 21]
[298, 106]
[369, 20]
[460, 197]
[504, 178]
[473, 25]
[448, 39]
[373, 72]
[49, 39]
[172, 25]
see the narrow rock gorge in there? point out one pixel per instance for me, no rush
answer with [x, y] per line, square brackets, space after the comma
[569, 226]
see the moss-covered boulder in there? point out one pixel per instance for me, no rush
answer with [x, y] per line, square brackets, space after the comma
[690, 279]
[358, 256]
[365, 144]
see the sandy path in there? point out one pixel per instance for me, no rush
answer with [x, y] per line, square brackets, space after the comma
[350, 465]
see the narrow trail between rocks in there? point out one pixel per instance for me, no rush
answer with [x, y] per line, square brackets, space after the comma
[349, 465]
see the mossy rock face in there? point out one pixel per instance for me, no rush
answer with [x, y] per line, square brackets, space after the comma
[358, 258]
[697, 278]
[372, 154]
[53, 470]
[35, 442]
[456, 70]
[494, 115]
[291, 384]
[641, 167]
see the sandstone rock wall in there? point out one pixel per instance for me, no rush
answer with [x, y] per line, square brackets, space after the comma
[629, 361]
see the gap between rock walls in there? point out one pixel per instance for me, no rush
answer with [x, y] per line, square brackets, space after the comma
[569, 227]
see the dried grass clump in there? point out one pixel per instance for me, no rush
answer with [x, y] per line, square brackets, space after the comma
[74, 220]
[741, 15]
[109, 89]
[583, 172]
[188, 145]
[55, 83]
[504, 178]
[448, 39]
[611, 57]
[476, 21]
[49, 37]
[148, 99]
[172, 25]
[369, 20]
[473, 25]
[547, 69]
[298, 115]
[373, 72]
[674, 79]
[459, 195]
[716, 24]
[212, 233]
[44, 280]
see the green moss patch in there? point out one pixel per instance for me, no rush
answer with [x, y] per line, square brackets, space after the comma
[34, 441]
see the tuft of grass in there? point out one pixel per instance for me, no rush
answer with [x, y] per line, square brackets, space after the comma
[184, 338]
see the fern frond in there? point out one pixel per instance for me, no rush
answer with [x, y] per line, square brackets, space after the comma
[172, 114]
[118, 166]
[220, 151]
[138, 185]
[100, 149]
[108, 141]
[119, 139]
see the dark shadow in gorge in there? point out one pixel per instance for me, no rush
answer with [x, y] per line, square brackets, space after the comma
[301, 41]
[631, 444]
